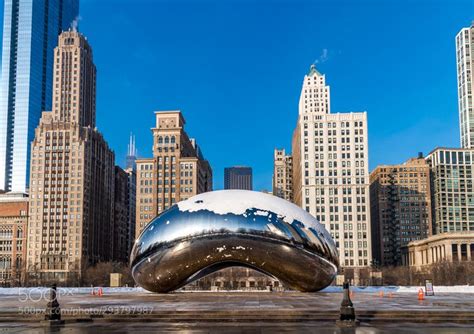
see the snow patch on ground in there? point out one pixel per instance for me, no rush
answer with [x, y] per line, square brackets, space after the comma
[403, 289]
[69, 291]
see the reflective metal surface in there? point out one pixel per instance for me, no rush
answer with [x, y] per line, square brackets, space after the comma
[215, 230]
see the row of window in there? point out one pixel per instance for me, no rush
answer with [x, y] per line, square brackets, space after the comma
[335, 218]
[334, 181]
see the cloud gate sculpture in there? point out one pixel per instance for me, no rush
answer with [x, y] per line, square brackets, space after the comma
[219, 229]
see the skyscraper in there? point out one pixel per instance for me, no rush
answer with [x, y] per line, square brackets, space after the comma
[131, 154]
[465, 71]
[238, 177]
[400, 202]
[121, 223]
[30, 33]
[131, 170]
[330, 170]
[282, 175]
[177, 171]
[452, 192]
[72, 173]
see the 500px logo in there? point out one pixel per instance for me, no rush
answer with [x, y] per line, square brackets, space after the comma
[36, 295]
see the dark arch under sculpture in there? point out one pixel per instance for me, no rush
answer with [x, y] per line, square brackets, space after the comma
[220, 229]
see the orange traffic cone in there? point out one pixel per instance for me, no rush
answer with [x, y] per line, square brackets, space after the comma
[390, 295]
[421, 294]
[100, 292]
[381, 294]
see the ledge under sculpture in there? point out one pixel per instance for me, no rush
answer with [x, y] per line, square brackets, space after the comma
[219, 229]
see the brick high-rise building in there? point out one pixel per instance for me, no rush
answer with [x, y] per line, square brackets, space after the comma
[176, 172]
[13, 233]
[330, 170]
[400, 208]
[282, 175]
[72, 173]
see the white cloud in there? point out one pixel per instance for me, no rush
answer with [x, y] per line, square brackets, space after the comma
[323, 57]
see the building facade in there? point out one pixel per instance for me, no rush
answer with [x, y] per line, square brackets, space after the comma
[177, 171]
[72, 173]
[131, 171]
[30, 33]
[465, 75]
[121, 227]
[13, 232]
[452, 194]
[282, 175]
[238, 177]
[400, 202]
[446, 247]
[330, 170]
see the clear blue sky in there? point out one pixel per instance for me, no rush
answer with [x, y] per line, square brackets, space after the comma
[235, 69]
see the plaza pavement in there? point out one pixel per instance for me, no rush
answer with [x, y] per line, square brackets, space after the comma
[116, 306]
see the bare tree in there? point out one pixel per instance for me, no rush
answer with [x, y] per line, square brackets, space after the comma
[442, 273]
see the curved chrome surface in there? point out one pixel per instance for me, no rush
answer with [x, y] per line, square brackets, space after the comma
[215, 230]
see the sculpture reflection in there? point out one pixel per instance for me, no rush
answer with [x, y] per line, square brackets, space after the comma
[215, 230]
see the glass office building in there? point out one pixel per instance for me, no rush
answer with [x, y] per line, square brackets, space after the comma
[452, 189]
[238, 177]
[30, 34]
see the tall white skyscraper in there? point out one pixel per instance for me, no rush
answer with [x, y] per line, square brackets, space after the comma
[330, 170]
[465, 69]
[30, 34]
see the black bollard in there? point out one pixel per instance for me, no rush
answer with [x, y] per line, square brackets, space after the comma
[347, 317]
[53, 311]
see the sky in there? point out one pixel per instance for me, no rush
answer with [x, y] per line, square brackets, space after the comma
[235, 69]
